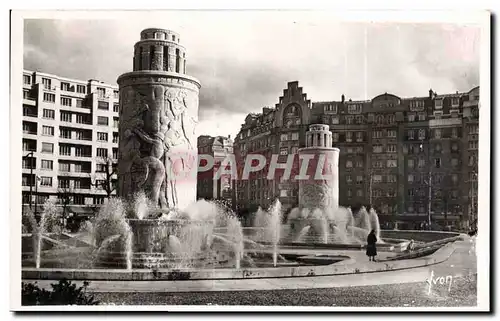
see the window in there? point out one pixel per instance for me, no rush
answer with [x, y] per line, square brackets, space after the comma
[330, 108]
[359, 179]
[101, 92]
[391, 178]
[359, 136]
[348, 137]
[115, 94]
[79, 103]
[29, 163]
[421, 162]
[65, 150]
[100, 168]
[27, 79]
[78, 199]
[349, 120]
[391, 119]
[411, 178]
[47, 164]
[379, 119]
[437, 162]
[348, 179]
[102, 152]
[473, 145]
[45, 181]
[115, 138]
[421, 116]
[115, 153]
[64, 182]
[359, 193]
[411, 135]
[378, 164]
[47, 130]
[65, 101]
[472, 160]
[66, 116]
[391, 148]
[377, 149]
[411, 117]
[454, 162]
[26, 94]
[81, 89]
[65, 133]
[377, 134]
[47, 148]
[295, 136]
[48, 113]
[348, 164]
[474, 129]
[377, 178]
[349, 192]
[335, 120]
[283, 193]
[103, 121]
[359, 163]
[49, 98]
[103, 105]
[454, 147]
[421, 134]
[391, 133]
[437, 147]
[359, 120]
[116, 108]
[354, 109]
[438, 104]
[335, 137]
[437, 133]
[454, 178]
[102, 137]
[455, 101]
[47, 83]
[392, 163]
[65, 86]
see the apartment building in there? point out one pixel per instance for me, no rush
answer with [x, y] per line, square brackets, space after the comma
[209, 186]
[406, 157]
[70, 141]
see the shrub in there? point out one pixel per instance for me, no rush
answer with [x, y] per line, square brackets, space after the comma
[63, 293]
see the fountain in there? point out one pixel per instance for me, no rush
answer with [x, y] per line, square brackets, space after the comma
[155, 229]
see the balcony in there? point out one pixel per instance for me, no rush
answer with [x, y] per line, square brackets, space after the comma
[84, 109]
[29, 102]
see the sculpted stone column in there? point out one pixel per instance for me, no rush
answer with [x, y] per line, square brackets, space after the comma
[157, 139]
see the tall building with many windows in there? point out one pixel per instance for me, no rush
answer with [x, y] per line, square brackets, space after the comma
[407, 157]
[70, 141]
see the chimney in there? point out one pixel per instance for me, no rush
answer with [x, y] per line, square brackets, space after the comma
[343, 98]
[229, 136]
[430, 93]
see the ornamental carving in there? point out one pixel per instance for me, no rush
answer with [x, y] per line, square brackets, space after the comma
[156, 126]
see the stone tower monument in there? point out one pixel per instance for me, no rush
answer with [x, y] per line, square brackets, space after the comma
[321, 189]
[158, 116]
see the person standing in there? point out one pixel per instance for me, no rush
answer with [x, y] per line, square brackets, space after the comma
[371, 248]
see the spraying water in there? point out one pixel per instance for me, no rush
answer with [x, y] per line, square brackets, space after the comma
[275, 227]
[235, 232]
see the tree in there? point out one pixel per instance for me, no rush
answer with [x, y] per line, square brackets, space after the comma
[105, 175]
[63, 293]
[65, 197]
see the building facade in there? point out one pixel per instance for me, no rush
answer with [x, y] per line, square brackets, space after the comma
[210, 186]
[70, 141]
[406, 157]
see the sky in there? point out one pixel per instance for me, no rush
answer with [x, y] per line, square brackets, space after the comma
[245, 59]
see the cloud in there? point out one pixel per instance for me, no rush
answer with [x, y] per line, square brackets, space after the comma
[244, 61]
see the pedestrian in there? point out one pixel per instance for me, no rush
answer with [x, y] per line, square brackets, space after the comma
[371, 248]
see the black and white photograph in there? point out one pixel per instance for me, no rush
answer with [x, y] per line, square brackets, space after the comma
[232, 160]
